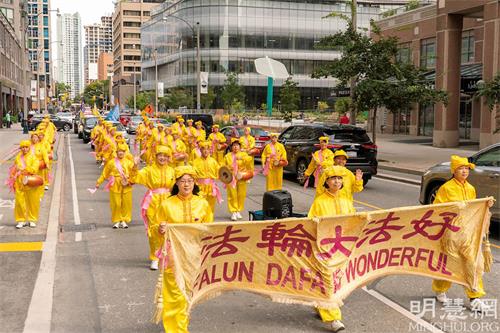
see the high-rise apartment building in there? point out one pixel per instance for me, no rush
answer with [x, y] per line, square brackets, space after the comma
[70, 60]
[40, 48]
[12, 9]
[98, 39]
[127, 20]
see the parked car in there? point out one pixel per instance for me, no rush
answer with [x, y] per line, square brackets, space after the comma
[61, 124]
[125, 118]
[87, 124]
[206, 119]
[485, 177]
[301, 141]
[66, 116]
[133, 123]
[261, 136]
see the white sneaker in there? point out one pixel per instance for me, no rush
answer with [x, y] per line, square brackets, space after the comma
[238, 215]
[441, 297]
[124, 225]
[476, 305]
[46, 187]
[116, 225]
[234, 217]
[337, 326]
[19, 225]
[154, 265]
[32, 224]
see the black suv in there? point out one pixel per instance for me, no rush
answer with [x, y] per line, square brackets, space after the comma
[88, 124]
[206, 119]
[301, 141]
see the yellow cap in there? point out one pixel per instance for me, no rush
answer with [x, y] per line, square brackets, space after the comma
[274, 134]
[122, 147]
[160, 125]
[205, 144]
[332, 171]
[25, 143]
[198, 122]
[215, 126]
[340, 152]
[163, 150]
[324, 138]
[181, 120]
[233, 140]
[185, 170]
[190, 120]
[457, 161]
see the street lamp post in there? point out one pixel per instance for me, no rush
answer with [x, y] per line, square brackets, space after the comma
[198, 58]
[134, 91]
[156, 82]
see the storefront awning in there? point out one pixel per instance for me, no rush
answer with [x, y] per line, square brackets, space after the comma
[470, 74]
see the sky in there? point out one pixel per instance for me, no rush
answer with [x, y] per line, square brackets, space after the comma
[90, 10]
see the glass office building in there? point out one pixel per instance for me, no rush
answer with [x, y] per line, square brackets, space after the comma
[233, 33]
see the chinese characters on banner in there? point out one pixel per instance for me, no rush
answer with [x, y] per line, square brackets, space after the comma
[321, 261]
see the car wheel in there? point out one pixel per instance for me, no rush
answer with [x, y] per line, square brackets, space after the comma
[301, 169]
[431, 194]
[75, 129]
[66, 127]
[86, 140]
[365, 181]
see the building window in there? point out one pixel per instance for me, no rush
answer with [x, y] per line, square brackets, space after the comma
[132, 24]
[428, 53]
[46, 32]
[145, 13]
[45, 21]
[8, 13]
[404, 53]
[467, 46]
[132, 13]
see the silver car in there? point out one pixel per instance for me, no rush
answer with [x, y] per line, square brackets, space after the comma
[485, 178]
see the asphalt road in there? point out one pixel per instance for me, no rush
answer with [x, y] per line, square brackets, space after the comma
[102, 282]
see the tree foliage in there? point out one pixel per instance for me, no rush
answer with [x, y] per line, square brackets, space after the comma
[176, 98]
[142, 99]
[232, 93]
[380, 81]
[96, 92]
[491, 92]
[290, 98]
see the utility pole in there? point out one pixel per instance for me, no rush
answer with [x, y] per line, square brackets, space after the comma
[156, 81]
[352, 83]
[198, 68]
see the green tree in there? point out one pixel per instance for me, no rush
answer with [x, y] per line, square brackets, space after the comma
[207, 100]
[177, 97]
[491, 92]
[142, 99]
[342, 105]
[379, 80]
[232, 93]
[96, 92]
[290, 98]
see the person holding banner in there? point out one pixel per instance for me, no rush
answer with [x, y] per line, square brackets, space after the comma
[39, 150]
[27, 198]
[118, 171]
[459, 189]
[158, 178]
[218, 141]
[207, 171]
[274, 159]
[184, 206]
[331, 203]
[240, 164]
[321, 159]
[352, 183]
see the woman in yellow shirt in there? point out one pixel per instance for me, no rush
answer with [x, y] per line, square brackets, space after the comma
[239, 163]
[40, 151]
[207, 170]
[184, 206]
[352, 183]
[118, 171]
[274, 159]
[158, 178]
[458, 189]
[321, 159]
[331, 203]
[217, 139]
[247, 142]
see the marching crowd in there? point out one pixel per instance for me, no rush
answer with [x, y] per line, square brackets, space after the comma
[180, 167]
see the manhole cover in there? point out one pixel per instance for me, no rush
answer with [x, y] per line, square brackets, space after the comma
[76, 228]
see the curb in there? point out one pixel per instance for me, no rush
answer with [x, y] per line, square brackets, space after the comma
[398, 179]
[402, 170]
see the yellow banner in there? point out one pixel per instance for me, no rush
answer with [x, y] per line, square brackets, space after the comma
[321, 261]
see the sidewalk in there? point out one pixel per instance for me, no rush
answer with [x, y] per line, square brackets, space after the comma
[415, 154]
[9, 140]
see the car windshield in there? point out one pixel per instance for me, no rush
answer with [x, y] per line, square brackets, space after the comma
[90, 122]
[255, 132]
[119, 127]
[136, 119]
[355, 136]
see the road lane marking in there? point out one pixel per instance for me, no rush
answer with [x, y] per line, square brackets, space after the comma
[399, 181]
[76, 208]
[402, 310]
[368, 205]
[21, 246]
[39, 315]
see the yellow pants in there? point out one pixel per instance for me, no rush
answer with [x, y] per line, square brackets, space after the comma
[121, 206]
[274, 180]
[441, 286]
[328, 315]
[236, 196]
[211, 201]
[175, 317]
[219, 157]
[27, 206]
[155, 242]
